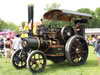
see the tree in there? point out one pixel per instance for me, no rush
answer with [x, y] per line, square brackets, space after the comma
[8, 26]
[94, 22]
[13, 27]
[3, 25]
[86, 10]
[97, 12]
[52, 6]
[23, 23]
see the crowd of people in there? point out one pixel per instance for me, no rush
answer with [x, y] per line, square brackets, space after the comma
[92, 41]
[9, 45]
[97, 48]
[95, 42]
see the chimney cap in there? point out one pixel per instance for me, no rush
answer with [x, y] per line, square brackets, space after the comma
[30, 5]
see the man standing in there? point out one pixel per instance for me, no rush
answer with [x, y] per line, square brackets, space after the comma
[17, 42]
[80, 29]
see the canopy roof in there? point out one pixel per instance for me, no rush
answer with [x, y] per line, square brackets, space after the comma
[65, 15]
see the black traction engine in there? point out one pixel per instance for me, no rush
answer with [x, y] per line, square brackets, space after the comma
[55, 44]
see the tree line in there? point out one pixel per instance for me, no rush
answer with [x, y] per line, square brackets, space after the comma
[93, 23]
[8, 26]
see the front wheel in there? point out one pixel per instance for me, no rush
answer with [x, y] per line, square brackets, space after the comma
[18, 60]
[36, 61]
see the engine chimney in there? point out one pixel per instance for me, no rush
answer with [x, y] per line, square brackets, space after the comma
[30, 18]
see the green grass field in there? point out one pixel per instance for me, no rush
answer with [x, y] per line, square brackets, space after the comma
[89, 68]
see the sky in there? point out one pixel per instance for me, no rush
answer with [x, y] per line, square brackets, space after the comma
[16, 11]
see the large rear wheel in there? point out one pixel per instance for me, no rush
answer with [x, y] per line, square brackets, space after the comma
[76, 50]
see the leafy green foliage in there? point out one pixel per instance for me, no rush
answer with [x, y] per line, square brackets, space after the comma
[8, 26]
[23, 23]
[95, 21]
[56, 24]
[98, 12]
[86, 10]
[52, 6]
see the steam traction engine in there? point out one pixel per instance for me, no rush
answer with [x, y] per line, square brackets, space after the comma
[55, 44]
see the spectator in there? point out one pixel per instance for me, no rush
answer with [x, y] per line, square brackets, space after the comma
[80, 29]
[8, 49]
[94, 40]
[21, 28]
[17, 42]
[12, 40]
[2, 43]
[97, 50]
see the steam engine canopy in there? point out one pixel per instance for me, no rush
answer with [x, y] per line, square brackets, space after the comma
[65, 15]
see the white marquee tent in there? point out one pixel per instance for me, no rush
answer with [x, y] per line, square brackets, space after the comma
[94, 31]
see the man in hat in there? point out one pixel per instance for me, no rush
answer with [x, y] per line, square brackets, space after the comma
[17, 42]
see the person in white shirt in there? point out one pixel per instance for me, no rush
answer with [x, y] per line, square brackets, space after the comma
[17, 42]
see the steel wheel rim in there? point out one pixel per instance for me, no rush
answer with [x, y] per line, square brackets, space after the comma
[17, 59]
[36, 62]
[78, 51]
[68, 32]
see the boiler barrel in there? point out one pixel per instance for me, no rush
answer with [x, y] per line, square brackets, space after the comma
[32, 43]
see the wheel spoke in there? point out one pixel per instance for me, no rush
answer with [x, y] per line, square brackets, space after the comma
[77, 58]
[35, 67]
[41, 63]
[72, 53]
[73, 47]
[21, 63]
[38, 55]
[32, 61]
[79, 43]
[75, 43]
[38, 67]
[40, 58]
[83, 44]
[34, 57]
[31, 64]
[83, 51]
[81, 57]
